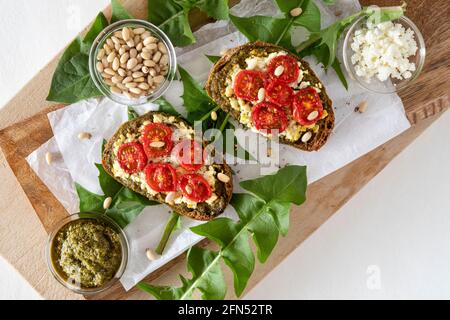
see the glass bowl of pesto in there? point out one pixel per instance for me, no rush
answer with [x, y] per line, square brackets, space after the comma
[87, 252]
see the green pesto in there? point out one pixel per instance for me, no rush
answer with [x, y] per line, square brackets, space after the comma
[87, 252]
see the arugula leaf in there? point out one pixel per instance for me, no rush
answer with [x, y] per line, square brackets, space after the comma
[267, 29]
[264, 214]
[119, 12]
[71, 81]
[165, 106]
[132, 114]
[310, 16]
[89, 202]
[207, 277]
[172, 224]
[172, 16]
[196, 100]
[127, 205]
[110, 187]
[213, 59]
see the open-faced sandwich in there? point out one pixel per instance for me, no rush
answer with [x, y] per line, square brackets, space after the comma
[266, 88]
[156, 156]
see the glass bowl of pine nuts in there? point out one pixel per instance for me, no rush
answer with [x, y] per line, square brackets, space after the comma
[132, 62]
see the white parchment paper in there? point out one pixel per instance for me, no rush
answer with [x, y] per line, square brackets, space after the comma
[354, 135]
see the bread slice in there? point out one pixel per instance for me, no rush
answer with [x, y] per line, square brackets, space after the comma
[203, 210]
[223, 69]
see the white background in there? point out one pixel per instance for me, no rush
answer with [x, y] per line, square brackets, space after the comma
[390, 241]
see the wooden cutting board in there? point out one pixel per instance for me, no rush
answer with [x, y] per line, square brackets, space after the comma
[29, 209]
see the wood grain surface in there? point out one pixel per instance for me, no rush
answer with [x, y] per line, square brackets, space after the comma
[30, 208]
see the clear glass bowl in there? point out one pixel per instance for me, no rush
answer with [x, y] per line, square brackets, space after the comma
[391, 85]
[106, 34]
[95, 216]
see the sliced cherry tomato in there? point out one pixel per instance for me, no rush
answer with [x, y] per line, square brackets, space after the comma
[194, 187]
[132, 157]
[157, 132]
[189, 154]
[161, 177]
[279, 93]
[290, 68]
[267, 116]
[308, 107]
[247, 84]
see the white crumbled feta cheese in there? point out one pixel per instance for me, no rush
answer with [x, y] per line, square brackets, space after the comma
[383, 51]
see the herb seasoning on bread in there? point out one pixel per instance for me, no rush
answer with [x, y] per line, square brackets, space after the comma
[266, 88]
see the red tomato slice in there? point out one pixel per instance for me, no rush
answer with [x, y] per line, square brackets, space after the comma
[307, 101]
[290, 66]
[267, 116]
[189, 154]
[132, 157]
[247, 84]
[161, 177]
[195, 187]
[157, 132]
[279, 93]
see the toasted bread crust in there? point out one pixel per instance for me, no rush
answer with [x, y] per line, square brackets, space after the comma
[215, 87]
[203, 211]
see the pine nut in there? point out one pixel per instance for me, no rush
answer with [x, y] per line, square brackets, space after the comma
[150, 40]
[140, 80]
[157, 57]
[150, 47]
[137, 67]
[137, 75]
[130, 85]
[313, 115]
[278, 71]
[115, 40]
[107, 49]
[234, 104]
[164, 60]
[188, 189]
[136, 90]
[139, 46]
[100, 67]
[116, 89]
[122, 72]
[151, 255]
[126, 35]
[170, 197]
[49, 158]
[157, 144]
[105, 62]
[145, 35]
[306, 137]
[110, 71]
[101, 54]
[214, 116]
[261, 94]
[132, 63]
[111, 57]
[229, 91]
[296, 12]
[162, 47]
[124, 58]
[136, 40]
[158, 79]
[118, 35]
[106, 76]
[150, 80]
[143, 86]
[110, 43]
[116, 79]
[223, 177]
[107, 203]
[84, 136]
[139, 31]
[130, 43]
[145, 69]
[152, 72]
[362, 106]
[133, 53]
[116, 64]
[146, 55]
[127, 80]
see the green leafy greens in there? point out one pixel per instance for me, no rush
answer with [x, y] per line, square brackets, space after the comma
[172, 16]
[263, 213]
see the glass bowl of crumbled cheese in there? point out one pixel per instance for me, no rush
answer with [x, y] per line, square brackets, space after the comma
[384, 57]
